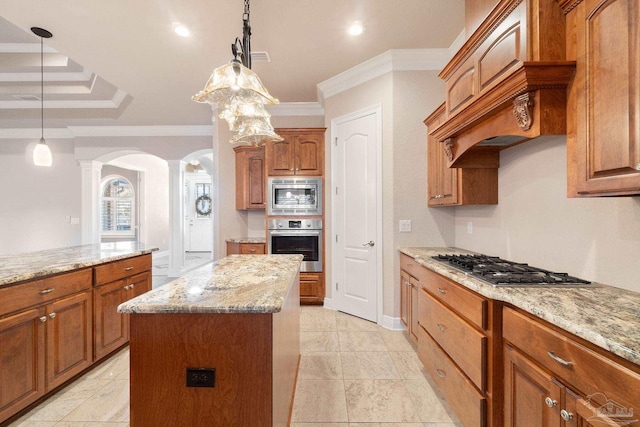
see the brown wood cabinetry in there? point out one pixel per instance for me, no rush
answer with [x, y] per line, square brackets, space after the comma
[603, 126]
[242, 248]
[551, 377]
[250, 178]
[111, 329]
[409, 286]
[300, 153]
[46, 336]
[312, 288]
[456, 186]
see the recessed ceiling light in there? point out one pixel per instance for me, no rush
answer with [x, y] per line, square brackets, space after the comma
[356, 28]
[180, 29]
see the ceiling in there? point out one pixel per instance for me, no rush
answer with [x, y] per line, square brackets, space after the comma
[119, 62]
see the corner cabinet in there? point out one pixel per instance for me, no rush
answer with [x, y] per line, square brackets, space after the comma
[456, 186]
[603, 126]
[250, 178]
[300, 153]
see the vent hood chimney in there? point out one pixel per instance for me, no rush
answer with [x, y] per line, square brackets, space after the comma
[507, 83]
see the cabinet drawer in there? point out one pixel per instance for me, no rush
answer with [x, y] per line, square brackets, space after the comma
[43, 290]
[118, 269]
[464, 399]
[411, 266]
[449, 331]
[466, 303]
[587, 371]
[252, 249]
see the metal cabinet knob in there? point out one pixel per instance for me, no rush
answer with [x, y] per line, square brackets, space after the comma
[441, 327]
[441, 373]
[442, 290]
[550, 402]
[126, 287]
[52, 315]
[131, 286]
[567, 416]
[43, 319]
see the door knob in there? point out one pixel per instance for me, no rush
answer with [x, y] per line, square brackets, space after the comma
[370, 243]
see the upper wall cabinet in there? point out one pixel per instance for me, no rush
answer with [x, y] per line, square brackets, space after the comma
[300, 153]
[507, 83]
[603, 135]
[250, 178]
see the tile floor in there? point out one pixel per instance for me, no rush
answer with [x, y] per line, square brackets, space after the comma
[353, 373]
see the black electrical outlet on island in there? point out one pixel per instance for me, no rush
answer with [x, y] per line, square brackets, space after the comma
[201, 377]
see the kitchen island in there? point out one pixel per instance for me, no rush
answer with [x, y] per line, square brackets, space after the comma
[219, 346]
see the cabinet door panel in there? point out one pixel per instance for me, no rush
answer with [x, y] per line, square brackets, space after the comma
[309, 155]
[311, 288]
[526, 389]
[69, 338]
[110, 330]
[281, 157]
[256, 184]
[22, 361]
[405, 289]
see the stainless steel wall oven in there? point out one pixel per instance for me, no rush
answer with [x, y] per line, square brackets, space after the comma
[297, 236]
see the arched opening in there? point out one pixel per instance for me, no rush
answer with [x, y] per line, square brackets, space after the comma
[118, 221]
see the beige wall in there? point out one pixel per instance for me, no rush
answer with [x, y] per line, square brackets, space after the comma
[406, 98]
[596, 239]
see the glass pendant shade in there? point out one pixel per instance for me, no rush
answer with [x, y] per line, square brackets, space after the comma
[254, 131]
[234, 81]
[236, 111]
[42, 154]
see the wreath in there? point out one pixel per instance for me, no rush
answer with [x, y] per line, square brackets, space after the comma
[202, 200]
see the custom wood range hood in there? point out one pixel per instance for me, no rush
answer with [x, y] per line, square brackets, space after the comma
[507, 83]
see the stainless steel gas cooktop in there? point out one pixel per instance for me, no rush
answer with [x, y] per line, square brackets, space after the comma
[500, 272]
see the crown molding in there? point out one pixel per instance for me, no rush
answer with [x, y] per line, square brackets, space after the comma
[61, 76]
[391, 60]
[107, 131]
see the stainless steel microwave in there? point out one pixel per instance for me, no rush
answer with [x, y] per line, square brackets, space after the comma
[295, 196]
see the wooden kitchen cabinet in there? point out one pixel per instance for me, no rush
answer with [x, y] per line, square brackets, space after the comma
[242, 248]
[300, 153]
[455, 186]
[111, 329]
[46, 336]
[551, 378]
[603, 125]
[311, 288]
[409, 286]
[250, 178]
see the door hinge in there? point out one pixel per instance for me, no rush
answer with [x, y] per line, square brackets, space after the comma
[336, 286]
[335, 141]
[336, 191]
[336, 238]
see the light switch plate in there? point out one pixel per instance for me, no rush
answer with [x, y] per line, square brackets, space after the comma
[405, 225]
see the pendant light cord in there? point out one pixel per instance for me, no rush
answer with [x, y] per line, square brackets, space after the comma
[41, 89]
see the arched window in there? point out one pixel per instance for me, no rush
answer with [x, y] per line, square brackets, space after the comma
[116, 207]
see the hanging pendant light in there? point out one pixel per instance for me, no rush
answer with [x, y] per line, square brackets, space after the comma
[42, 153]
[241, 94]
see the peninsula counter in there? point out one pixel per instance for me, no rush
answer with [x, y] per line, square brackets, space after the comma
[219, 346]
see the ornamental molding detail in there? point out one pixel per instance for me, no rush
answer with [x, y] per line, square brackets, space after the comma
[522, 109]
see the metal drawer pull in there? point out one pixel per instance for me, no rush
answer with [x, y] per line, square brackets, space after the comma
[52, 315]
[567, 416]
[441, 327]
[46, 291]
[131, 286]
[441, 373]
[43, 319]
[127, 287]
[128, 268]
[560, 360]
[550, 402]
[442, 290]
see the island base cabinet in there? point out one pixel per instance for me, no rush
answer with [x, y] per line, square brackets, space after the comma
[239, 347]
[22, 367]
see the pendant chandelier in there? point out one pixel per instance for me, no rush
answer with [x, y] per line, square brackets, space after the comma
[42, 153]
[241, 94]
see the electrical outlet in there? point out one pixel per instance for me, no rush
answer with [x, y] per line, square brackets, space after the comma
[75, 221]
[405, 225]
[201, 377]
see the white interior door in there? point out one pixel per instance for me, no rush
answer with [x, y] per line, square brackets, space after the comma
[198, 235]
[356, 218]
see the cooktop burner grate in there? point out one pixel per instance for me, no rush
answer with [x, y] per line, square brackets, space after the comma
[500, 272]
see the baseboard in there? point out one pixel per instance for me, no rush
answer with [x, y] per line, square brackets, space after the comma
[392, 323]
[328, 303]
[159, 254]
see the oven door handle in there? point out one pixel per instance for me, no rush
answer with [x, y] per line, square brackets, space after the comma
[294, 233]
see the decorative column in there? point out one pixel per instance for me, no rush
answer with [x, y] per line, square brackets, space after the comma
[90, 223]
[176, 217]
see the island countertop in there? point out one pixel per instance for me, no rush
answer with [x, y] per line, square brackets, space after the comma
[603, 315]
[234, 284]
[31, 265]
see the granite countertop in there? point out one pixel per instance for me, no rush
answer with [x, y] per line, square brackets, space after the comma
[603, 315]
[256, 240]
[31, 265]
[234, 284]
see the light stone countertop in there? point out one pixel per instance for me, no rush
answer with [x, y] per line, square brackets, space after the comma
[606, 316]
[234, 284]
[31, 265]
[256, 240]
